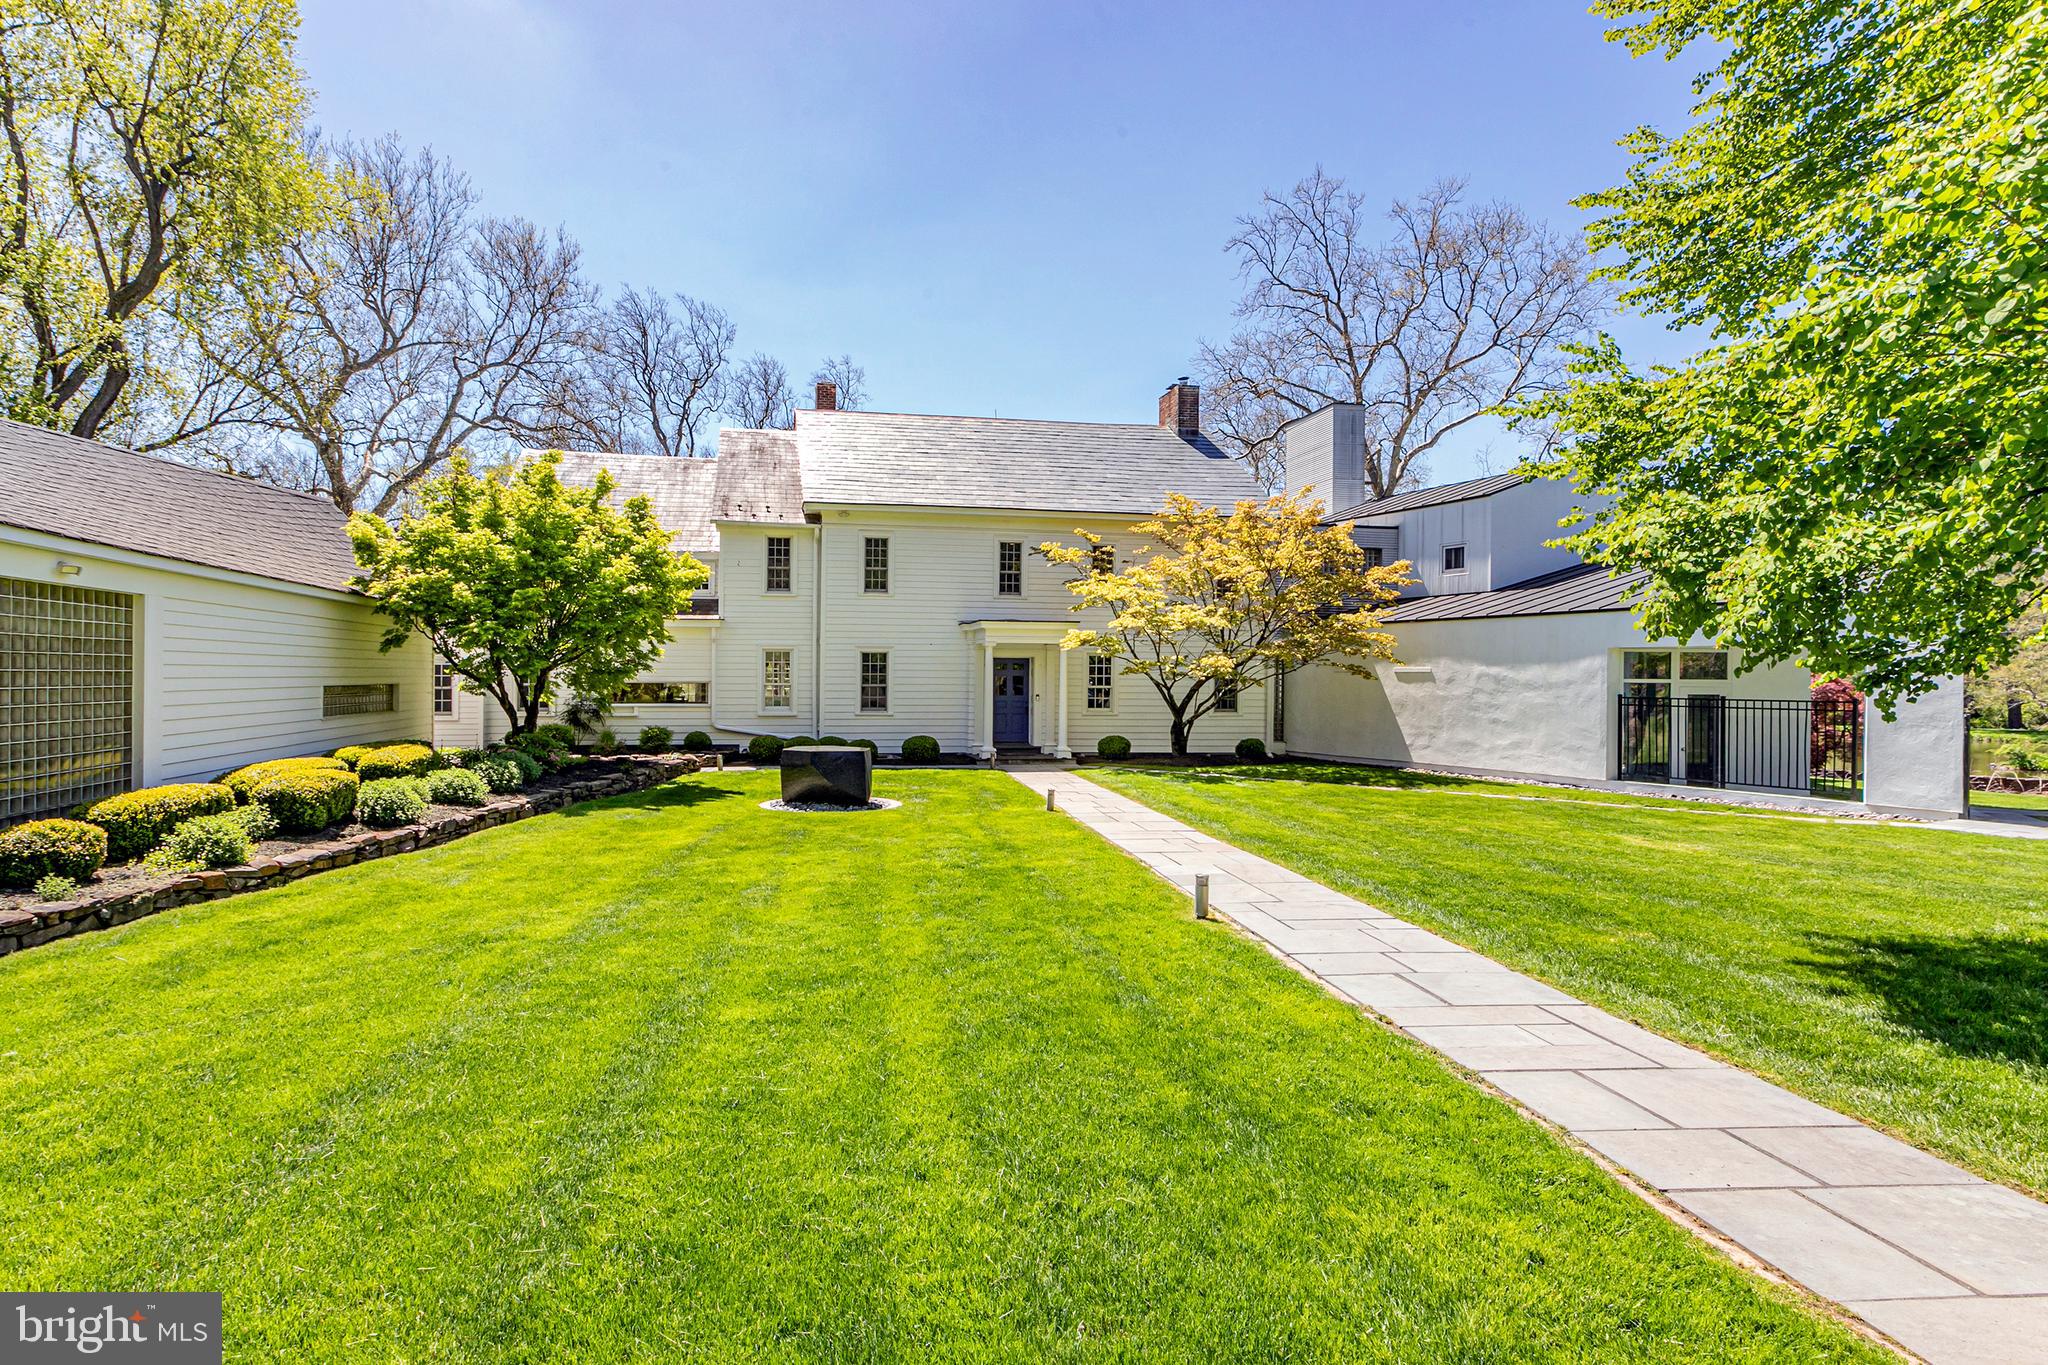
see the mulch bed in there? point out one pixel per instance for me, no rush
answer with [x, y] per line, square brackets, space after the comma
[129, 891]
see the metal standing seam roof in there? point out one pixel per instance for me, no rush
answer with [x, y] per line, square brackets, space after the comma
[1428, 497]
[1579, 588]
[87, 491]
[904, 459]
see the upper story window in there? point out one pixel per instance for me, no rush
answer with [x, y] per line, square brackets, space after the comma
[1101, 682]
[1374, 557]
[778, 564]
[444, 690]
[1102, 559]
[1226, 696]
[1454, 559]
[775, 674]
[1010, 568]
[874, 564]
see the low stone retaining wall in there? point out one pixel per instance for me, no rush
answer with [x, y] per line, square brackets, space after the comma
[41, 924]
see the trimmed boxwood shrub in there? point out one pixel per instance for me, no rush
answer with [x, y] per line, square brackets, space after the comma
[1113, 746]
[656, 737]
[764, 749]
[455, 787]
[309, 799]
[795, 740]
[242, 781]
[868, 744]
[920, 748]
[351, 754]
[833, 739]
[397, 760]
[51, 848]
[696, 739]
[211, 841]
[1251, 749]
[389, 801]
[137, 821]
[500, 771]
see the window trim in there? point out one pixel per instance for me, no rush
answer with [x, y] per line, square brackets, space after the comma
[1108, 708]
[788, 566]
[444, 682]
[867, 544]
[1232, 693]
[860, 682]
[1462, 558]
[788, 684]
[1003, 548]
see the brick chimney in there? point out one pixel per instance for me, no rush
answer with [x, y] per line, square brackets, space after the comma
[1180, 407]
[828, 396]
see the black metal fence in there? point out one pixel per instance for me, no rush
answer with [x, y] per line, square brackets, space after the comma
[1814, 747]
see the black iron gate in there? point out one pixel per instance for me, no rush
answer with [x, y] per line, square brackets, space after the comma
[1814, 747]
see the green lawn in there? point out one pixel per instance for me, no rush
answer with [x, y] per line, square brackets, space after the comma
[1899, 975]
[2011, 800]
[671, 1077]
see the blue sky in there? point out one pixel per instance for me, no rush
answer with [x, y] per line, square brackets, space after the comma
[1012, 208]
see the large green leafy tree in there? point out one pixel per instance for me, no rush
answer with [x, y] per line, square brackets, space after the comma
[150, 146]
[525, 584]
[1854, 472]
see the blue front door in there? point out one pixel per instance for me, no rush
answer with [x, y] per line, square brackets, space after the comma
[1013, 701]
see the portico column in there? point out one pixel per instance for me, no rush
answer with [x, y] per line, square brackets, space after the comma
[986, 707]
[1059, 748]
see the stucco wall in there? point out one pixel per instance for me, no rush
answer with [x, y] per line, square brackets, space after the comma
[1915, 763]
[229, 668]
[1532, 695]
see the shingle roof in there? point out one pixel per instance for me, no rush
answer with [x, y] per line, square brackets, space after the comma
[759, 477]
[680, 489]
[914, 460]
[83, 490]
[1582, 587]
[1429, 497]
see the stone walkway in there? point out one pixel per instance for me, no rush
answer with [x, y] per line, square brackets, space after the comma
[1954, 1267]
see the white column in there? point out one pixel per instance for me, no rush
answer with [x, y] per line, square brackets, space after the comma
[1059, 748]
[985, 708]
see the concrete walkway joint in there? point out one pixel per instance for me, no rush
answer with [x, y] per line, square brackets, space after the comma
[1949, 1264]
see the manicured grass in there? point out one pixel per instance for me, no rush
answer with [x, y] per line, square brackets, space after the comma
[671, 1077]
[2011, 800]
[1899, 975]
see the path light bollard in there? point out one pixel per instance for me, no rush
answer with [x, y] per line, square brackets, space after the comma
[720, 756]
[1049, 803]
[1201, 895]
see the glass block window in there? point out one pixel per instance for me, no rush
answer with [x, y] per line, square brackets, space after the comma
[1010, 568]
[1101, 682]
[67, 696]
[664, 694]
[1102, 559]
[874, 564]
[358, 699]
[874, 680]
[778, 564]
[775, 673]
[444, 690]
[1280, 706]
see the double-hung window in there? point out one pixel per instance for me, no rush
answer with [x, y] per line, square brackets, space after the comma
[1226, 696]
[778, 564]
[1101, 682]
[874, 680]
[1010, 568]
[874, 564]
[444, 690]
[775, 676]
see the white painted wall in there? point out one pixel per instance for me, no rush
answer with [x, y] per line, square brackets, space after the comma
[1916, 764]
[230, 667]
[1529, 695]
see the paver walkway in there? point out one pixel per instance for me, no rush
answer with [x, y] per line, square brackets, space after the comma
[1951, 1265]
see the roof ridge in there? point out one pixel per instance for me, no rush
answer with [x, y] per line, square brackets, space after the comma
[962, 417]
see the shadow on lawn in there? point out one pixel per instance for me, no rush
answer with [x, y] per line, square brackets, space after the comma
[683, 792]
[1979, 997]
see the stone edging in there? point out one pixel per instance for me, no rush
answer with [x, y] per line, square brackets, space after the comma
[36, 925]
